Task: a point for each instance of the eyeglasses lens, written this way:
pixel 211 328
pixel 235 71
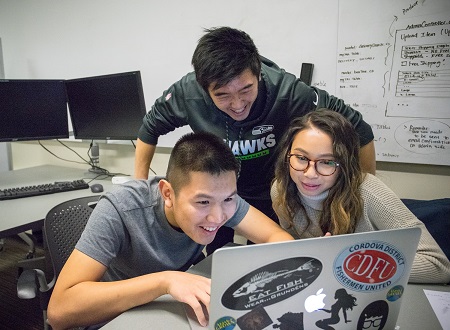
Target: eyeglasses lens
pixel 323 167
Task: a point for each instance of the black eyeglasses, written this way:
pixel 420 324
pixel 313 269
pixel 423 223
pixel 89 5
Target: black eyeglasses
pixel 324 167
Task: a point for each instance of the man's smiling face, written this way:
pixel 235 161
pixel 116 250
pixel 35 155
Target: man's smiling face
pixel 202 206
pixel 236 98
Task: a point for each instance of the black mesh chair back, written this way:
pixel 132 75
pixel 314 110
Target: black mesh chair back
pixel 63 227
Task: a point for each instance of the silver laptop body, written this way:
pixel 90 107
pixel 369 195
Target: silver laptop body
pixel 353 281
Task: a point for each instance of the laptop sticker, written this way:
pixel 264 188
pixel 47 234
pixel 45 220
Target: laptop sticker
pixel 395 293
pixel 257 319
pixel 290 321
pixel 272 283
pixel 369 266
pixel 374 316
pixel 225 323
pixel 344 302
pixel 315 302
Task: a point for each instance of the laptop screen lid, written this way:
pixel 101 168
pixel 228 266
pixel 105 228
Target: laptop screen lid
pixel 355 280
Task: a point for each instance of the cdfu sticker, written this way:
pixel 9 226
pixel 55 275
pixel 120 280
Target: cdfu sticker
pixel 369 266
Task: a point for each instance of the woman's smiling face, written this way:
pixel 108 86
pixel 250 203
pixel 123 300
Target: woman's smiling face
pixel 313 144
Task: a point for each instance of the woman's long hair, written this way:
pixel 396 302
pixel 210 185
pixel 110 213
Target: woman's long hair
pixel 344 205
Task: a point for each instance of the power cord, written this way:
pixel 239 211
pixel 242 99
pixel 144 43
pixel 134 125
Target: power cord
pixel 91 162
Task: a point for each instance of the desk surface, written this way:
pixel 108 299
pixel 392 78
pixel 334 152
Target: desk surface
pixel 167 313
pixel 18 215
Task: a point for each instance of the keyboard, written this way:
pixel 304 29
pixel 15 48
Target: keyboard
pixel 42 189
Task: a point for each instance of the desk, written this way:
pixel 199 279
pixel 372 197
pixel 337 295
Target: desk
pixel 22 214
pixel 167 313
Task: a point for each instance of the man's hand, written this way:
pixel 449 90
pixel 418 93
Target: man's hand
pixel 191 289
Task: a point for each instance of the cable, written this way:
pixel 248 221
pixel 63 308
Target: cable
pixel 98 169
pixel 95 168
pixel 74 152
pixel 67 160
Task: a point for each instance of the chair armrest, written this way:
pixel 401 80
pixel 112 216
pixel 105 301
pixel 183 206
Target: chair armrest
pixel 26 284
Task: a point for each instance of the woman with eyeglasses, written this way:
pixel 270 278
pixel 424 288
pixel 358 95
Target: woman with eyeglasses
pixel 319 189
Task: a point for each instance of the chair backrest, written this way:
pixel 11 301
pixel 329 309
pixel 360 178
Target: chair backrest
pixel 434 214
pixel 63 226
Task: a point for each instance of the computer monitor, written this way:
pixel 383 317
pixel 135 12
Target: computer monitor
pixel 32 109
pixel 107 107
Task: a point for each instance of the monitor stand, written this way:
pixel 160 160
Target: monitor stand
pixel 95 159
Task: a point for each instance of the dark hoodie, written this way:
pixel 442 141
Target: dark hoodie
pixel 281 97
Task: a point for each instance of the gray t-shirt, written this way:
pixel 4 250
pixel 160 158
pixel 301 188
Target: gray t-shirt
pixel 128 232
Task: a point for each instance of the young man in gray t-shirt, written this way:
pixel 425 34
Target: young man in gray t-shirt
pixel 141 237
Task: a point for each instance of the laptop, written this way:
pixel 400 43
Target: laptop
pixel 353 281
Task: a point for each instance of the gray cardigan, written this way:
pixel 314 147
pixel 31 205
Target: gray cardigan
pixel 382 210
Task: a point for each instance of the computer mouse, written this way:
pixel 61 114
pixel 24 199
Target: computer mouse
pixel 96 188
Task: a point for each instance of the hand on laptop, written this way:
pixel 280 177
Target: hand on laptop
pixel 193 290
pixel 327 234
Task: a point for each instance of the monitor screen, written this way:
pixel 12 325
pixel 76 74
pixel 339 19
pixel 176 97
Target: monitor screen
pixel 33 110
pixel 108 107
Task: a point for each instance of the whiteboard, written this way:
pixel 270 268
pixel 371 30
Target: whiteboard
pixel 393 65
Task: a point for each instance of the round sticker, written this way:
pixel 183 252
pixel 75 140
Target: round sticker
pixel 369 266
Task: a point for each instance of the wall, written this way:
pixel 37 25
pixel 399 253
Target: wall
pixel 98 37
pixel 70 39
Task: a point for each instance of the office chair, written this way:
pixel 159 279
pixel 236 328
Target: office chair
pixel 434 214
pixel 63 226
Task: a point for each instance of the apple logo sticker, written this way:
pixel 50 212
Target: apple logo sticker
pixel 315 301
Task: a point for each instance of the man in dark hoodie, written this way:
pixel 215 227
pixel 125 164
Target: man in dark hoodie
pixel 248 101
